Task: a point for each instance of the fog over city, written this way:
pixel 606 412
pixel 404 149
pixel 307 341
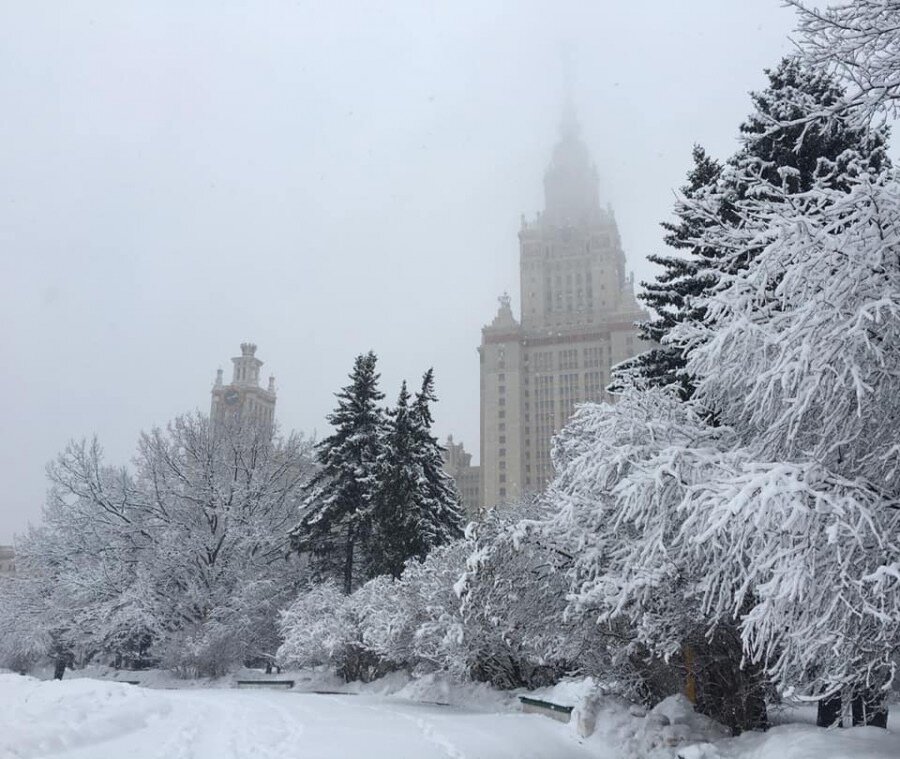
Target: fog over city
pixel 319 178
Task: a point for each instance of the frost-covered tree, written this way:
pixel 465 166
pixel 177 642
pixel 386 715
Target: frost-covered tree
pixel 817 387
pixel 784 139
pixel 336 519
pixel 183 558
pixel 859 41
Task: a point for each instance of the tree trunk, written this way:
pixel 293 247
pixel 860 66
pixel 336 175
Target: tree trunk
pixel 828 711
pixel 869 709
pixel 348 561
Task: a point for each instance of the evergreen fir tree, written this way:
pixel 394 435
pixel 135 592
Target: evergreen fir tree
pixel 441 516
pixel 400 479
pixel 419 506
pixel 683 277
pixel 789 139
pixel 340 498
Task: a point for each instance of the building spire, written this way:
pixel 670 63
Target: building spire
pixel 569 123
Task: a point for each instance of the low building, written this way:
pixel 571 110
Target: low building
pixel 458 464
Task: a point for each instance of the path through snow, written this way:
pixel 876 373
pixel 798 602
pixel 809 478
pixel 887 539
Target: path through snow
pixel 90 719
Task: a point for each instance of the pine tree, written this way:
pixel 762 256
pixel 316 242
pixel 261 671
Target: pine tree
pixel 400 482
pixel 441 517
pixel 418 505
pixel 683 278
pixel 789 140
pixel 340 498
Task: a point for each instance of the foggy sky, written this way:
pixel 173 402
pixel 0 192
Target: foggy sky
pixel 320 178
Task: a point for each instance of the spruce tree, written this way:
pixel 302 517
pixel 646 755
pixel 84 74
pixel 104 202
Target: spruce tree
pixel 441 516
pixel 418 505
pixel 340 498
pixel 788 140
pixel 394 538
pixel 683 278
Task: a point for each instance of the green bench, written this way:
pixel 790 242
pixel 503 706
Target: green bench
pixel 547 708
pixel 283 684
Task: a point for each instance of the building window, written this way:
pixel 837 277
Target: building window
pixel 503 492
pixel 503 479
pixel 502 439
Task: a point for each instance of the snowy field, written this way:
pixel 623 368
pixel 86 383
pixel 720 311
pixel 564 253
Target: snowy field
pixel 85 718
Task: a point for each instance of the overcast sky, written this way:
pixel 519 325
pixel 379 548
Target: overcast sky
pixel 320 178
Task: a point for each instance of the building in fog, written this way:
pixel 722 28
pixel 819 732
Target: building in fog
pixel 578 320
pixel 243 400
pixel 7 561
pixel 458 464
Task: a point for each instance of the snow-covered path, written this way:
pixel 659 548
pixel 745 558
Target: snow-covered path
pixel 85 719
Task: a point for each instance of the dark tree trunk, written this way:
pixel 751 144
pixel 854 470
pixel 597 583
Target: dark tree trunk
pixel 869 709
pixel 828 711
pixel 348 561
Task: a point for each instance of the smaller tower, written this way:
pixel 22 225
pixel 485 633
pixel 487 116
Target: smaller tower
pixel 243 400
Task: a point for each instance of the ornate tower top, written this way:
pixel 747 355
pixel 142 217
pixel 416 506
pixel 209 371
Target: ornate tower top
pixel 246 366
pixel 570 182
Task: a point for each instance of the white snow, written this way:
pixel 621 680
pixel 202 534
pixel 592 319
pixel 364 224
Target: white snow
pixel 85 718
pixel 93 719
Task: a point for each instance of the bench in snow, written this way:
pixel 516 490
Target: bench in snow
pixel 129 682
pixel 285 684
pixel 548 709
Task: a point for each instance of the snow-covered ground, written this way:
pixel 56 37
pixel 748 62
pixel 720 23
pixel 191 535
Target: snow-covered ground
pixel 89 718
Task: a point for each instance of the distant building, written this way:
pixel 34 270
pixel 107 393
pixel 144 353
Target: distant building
pixel 243 399
pixel 458 464
pixel 7 561
pixel 578 320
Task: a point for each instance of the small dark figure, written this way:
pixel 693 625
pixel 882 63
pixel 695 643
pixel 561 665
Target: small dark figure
pixel 59 668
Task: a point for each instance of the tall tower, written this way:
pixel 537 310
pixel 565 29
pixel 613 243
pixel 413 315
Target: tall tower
pixel 578 320
pixel 243 399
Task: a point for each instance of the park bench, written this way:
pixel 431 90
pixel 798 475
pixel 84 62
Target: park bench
pixel 284 684
pixel 547 708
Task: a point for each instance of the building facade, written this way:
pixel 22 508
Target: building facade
pixel 458 464
pixel 578 320
pixel 243 400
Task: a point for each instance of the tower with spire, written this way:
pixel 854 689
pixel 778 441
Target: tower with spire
pixel 243 400
pixel 578 312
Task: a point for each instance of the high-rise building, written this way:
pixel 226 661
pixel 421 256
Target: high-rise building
pixel 243 399
pixel 578 320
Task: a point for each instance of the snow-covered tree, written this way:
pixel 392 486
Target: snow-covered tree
pixel 183 558
pixel 684 276
pixel 440 513
pixel 859 41
pixel 785 139
pixel 336 518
